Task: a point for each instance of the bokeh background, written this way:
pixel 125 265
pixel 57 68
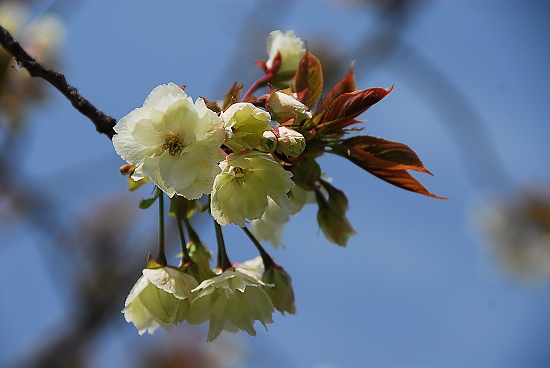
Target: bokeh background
pixel 425 282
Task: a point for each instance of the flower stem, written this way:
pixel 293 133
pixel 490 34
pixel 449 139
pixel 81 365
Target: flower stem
pixel 161 257
pixel 266 258
pixel 223 260
pixel 185 258
pixel 193 236
pixel 260 82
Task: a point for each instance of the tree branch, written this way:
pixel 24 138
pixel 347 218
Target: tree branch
pixel 103 123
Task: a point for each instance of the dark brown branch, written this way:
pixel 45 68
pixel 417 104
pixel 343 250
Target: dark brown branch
pixel 103 123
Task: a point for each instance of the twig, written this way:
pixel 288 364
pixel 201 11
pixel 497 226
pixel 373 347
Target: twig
pixel 103 123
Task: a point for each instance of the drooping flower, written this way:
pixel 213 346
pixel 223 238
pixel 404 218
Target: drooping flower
pixel 245 125
pixel 241 190
pixel 161 297
pixel 270 226
pixel 232 301
pixel 286 49
pixel 173 142
pixel 254 266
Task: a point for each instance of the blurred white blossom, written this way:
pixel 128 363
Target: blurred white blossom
pixel 519 232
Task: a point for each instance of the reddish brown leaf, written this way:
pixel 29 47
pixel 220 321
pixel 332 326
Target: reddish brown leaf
pixel 393 154
pixel 344 85
pixel 233 95
pixel 388 161
pixel 342 111
pixel 309 78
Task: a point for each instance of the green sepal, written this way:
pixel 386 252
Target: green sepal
pixel 148 202
pixel 152 264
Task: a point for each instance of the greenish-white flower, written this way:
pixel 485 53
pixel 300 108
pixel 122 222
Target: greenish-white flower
pixel 173 142
pixel 284 107
pixel 241 190
pixel 270 226
pixel 291 49
pixel 161 297
pixel 290 142
pixel 232 301
pixel 255 266
pixel 245 125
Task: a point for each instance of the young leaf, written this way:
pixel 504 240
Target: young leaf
pixel 309 78
pixel 395 154
pixel 344 85
pixel 233 95
pixel 147 202
pixel 345 108
pixel 386 160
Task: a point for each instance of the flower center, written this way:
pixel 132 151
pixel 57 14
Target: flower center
pixel 173 143
pixel 238 172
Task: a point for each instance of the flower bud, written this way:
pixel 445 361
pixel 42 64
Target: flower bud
pixel 281 294
pixel 285 52
pixel 333 222
pixel 245 125
pixel 134 184
pixel 127 169
pixel 290 142
pixel 284 107
pixel 268 142
pixel 200 254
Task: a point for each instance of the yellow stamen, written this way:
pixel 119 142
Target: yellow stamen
pixel 173 143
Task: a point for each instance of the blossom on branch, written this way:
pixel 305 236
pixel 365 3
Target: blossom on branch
pixel 232 301
pixel 159 298
pixel 270 226
pixel 242 188
pixel 245 125
pixel 173 142
pixel 254 173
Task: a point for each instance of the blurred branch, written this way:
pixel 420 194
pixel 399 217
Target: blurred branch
pixel 103 123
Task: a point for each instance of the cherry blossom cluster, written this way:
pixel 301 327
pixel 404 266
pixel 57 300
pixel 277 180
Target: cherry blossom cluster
pixel 249 161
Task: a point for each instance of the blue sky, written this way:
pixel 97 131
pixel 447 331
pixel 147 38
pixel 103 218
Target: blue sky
pixel 417 286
